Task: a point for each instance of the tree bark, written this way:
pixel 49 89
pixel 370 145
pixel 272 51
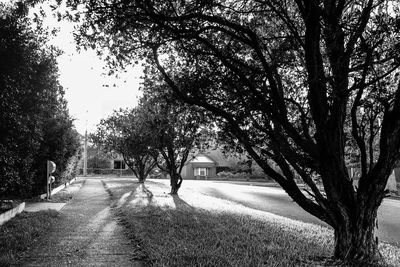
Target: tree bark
pixel 354 238
pixel 176 181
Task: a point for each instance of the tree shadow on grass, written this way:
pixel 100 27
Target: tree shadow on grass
pixel 141 196
pixel 146 191
pixel 180 204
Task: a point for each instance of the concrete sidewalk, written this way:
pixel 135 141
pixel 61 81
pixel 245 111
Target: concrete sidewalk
pixel 88 234
pixel 58 200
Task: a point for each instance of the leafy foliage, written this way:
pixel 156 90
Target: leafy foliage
pixel 34 121
pixel 124 133
pixel 97 159
pixel 176 128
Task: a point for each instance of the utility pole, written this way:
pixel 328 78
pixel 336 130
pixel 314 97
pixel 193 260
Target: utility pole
pixel 85 150
pixel 85 156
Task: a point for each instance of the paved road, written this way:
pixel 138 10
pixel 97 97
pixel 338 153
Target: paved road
pixel 276 201
pixel 88 234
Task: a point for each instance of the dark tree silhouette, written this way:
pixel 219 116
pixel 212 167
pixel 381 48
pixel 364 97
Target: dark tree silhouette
pixel 35 125
pixel 291 80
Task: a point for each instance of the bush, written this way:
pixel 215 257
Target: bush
pixel 34 122
pixel 223 169
pixel 71 170
pixel 238 175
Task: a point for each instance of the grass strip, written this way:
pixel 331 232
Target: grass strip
pixel 203 238
pixel 18 234
pixel 188 236
pixel 184 231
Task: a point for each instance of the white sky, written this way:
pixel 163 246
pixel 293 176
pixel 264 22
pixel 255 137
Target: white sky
pixel 83 79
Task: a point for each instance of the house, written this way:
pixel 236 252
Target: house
pixel 99 162
pixel 206 164
pixel 200 166
pixel 118 164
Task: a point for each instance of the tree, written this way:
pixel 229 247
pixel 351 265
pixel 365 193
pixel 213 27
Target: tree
pixel 124 133
pixel 60 143
pixel 97 159
pixel 175 129
pixel 290 80
pixel 34 122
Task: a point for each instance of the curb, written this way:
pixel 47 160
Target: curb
pixel 58 189
pixel 6 216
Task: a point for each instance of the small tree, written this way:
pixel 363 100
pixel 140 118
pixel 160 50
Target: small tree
pixel 174 126
pixel 124 133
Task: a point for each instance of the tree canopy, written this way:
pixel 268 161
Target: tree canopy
pixel 296 82
pixel 124 134
pixel 176 128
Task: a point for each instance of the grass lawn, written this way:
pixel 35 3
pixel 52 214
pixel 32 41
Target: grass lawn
pixel 196 230
pixel 21 232
pixel 202 238
pixel 18 234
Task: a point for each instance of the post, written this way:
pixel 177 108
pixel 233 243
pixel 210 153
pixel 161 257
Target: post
pixel 47 180
pixel 85 156
pixel 49 186
pixel 50 168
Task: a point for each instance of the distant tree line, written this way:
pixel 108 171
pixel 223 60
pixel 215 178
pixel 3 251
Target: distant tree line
pixel 35 125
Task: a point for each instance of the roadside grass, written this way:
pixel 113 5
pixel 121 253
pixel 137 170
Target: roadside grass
pixel 202 238
pixel 197 230
pixel 188 236
pixel 21 232
pixel 18 234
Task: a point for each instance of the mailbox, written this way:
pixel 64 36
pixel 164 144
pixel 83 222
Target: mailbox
pixel 52 179
pixel 51 167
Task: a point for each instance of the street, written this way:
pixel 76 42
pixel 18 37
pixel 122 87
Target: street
pixel 275 200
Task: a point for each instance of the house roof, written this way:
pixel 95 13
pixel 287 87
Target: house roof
pixel 201 158
pixel 216 156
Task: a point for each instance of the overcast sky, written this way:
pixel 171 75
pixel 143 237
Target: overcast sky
pixel 91 95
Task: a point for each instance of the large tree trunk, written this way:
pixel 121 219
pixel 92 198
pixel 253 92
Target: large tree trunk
pixel 176 181
pixel 354 238
pixel 356 245
pixel 142 176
